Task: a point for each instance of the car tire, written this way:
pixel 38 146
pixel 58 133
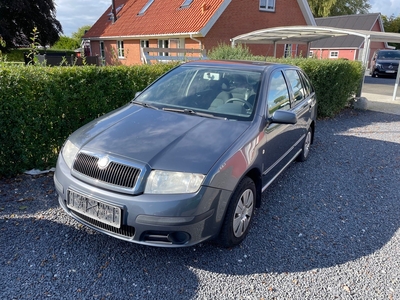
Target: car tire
pixel 305 151
pixel 239 214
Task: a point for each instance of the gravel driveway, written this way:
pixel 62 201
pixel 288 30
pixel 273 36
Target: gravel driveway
pixel 328 228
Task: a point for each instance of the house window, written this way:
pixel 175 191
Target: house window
pixel 311 54
pixel 120 47
pixel 102 53
pixel 267 5
pixel 186 3
pixel 163 44
pixel 144 43
pixel 288 50
pixel 333 54
pixel 145 7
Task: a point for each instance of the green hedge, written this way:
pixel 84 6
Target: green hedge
pixel 40 107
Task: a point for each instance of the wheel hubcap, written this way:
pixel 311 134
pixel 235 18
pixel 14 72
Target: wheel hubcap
pixel 243 213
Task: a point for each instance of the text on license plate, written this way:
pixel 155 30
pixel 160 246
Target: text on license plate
pixel 94 209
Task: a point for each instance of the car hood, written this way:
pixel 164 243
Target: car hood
pixel 387 61
pixel 163 140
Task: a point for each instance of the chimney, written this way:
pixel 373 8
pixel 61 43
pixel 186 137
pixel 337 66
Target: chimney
pixel 113 12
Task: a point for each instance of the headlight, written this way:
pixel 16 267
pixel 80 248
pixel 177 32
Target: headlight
pixel 69 152
pixel 166 182
pixel 378 66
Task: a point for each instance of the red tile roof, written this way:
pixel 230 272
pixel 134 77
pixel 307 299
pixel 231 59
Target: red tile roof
pixel 163 17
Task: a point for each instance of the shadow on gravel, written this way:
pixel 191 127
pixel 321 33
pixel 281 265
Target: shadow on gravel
pixel 340 205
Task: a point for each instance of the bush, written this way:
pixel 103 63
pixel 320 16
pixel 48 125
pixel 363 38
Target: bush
pixel 40 107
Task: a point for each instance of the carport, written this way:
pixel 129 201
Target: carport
pixel 308 34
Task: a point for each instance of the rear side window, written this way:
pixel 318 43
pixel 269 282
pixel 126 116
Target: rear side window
pixel 307 84
pixel 278 94
pixel 296 84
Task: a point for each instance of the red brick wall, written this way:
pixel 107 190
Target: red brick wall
pixel 243 16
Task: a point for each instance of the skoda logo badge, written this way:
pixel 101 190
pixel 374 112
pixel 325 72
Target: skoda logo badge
pixel 103 162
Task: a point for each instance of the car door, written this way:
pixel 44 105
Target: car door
pixel 302 102
pixel 279 139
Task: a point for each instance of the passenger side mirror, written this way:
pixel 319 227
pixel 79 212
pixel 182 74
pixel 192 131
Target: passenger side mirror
pixel 283 117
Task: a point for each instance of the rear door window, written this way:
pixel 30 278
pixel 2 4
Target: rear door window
pixel 298 90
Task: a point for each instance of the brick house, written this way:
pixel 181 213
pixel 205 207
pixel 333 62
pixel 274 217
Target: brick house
pixel 349 47
pixel 128 26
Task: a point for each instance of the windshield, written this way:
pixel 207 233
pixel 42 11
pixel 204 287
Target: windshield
pixel 389 55
pixel 219 92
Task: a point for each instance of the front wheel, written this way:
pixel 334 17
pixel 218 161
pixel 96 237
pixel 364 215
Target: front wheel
pixel 305 151
pixel 239 214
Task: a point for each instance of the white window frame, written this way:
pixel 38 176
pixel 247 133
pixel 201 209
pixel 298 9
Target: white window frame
pixel 120 49
pixel 144 43
pixel 334 54
pixel 311 54
pixel 102 53
pixel 267 5
pixel 163 44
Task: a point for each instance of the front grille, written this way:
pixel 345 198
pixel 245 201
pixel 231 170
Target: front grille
pixel 127 231
pixel 115 173
pixel 389 66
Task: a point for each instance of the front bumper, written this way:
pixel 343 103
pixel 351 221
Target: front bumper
pixel 156 220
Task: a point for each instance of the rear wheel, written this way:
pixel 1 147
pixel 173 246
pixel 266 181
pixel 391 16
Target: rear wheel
pixel 239 214
pixel 305 151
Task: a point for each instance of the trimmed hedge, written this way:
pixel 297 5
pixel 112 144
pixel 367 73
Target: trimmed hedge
pixel 41 106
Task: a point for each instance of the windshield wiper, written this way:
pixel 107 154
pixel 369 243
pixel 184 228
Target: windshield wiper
pixel 144 104
pixel 192 112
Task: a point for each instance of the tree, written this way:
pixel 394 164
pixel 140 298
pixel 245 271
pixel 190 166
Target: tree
pixel 20 17
pixel 321 8
pixel 350 7
pixel 392 24
pixel 78 35
pixel 65 43
pixel 327 8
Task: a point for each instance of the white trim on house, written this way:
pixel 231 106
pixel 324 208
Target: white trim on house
pixel 334 54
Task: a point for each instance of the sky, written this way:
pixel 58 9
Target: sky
pixel 74 14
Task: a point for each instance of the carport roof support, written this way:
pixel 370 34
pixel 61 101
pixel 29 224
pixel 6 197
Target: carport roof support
pixel 308 34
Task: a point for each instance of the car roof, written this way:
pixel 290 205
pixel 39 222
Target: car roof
pixel 239 64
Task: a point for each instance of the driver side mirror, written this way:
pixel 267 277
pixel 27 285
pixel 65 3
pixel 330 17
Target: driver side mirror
pixel 283 117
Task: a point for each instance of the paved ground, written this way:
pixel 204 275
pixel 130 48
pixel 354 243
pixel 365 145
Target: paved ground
pixel 379 93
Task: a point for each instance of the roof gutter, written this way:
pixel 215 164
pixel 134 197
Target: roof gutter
pixel 196 40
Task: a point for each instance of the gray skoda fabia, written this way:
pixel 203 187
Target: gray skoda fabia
pixel 189 157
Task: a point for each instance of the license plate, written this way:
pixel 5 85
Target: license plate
pixel 390 71
pixel 94 209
